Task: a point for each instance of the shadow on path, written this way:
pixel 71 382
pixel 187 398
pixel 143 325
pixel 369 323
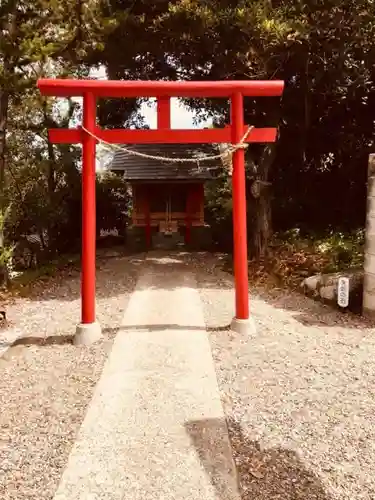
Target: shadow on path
pixel 262 474
pixel 160 328
pixel 41 341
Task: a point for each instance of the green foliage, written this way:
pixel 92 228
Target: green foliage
pixel 112 202
pixel 44 38
pixel 323 51
pixel 6 251
pixel 218 198
pixel 35 209
pixel 294 255
pixel 341 250
pixel 345 250
pixel 4 216
pixel 5 256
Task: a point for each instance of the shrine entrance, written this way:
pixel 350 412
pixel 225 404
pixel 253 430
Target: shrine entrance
pixel 171 209
pixel 236 135
pixel 168 207
pixel 169 200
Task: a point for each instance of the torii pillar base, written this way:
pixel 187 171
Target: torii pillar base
pixel 243 326
pixel 87 334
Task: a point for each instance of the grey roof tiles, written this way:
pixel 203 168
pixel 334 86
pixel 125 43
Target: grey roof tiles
pixel 138 168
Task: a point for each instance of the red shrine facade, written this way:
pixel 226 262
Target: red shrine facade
pixel 167 197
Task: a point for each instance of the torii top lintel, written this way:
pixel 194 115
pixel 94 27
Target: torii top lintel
pixel 134 88
pixel 163 91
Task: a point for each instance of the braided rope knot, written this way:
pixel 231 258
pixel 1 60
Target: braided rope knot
pixel 228 150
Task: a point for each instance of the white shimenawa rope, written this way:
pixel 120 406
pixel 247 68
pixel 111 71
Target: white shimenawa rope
pixel 227 151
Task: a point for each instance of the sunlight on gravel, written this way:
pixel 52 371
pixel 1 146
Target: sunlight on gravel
pixel 45 389
pixel 299 396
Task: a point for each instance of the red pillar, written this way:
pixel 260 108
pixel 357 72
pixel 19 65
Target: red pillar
pixel 239 210
pixel 88 210
pixel 164 112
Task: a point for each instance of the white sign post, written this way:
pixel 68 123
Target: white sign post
pixel 343 291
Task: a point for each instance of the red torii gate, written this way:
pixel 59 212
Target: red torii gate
pixel 89 330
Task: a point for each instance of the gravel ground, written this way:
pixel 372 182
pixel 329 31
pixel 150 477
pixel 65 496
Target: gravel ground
pixel 299 396
pixel 46 383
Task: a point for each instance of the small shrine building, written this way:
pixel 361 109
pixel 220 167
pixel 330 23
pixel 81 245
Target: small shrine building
pixel 167 197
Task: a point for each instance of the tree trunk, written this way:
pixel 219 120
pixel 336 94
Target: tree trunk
pixel 261 203
pixel 4 101
pixel 9 23
pixel 263 225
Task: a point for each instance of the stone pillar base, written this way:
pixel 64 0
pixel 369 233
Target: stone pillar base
pixel 87 334
pixel 243 326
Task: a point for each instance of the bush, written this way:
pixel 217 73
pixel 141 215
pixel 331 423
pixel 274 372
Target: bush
pixel 60 214
pixel 294 256
pixel 6 251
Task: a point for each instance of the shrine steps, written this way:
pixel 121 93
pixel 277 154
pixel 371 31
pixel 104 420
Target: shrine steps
pixel 161 241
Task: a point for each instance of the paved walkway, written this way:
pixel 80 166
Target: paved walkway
pixel 155 428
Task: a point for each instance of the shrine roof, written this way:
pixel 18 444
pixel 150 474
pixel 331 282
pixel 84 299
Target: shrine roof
pixel 138 168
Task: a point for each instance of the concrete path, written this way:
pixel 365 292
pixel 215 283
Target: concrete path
pixel 155 428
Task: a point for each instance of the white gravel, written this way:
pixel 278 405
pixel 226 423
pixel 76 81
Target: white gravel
pixel 45 388
pixel 299 396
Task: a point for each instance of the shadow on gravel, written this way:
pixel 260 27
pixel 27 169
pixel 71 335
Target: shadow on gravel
pixel 44 341
pixel 36 341
pixel 110 332
pixel 114 273
pixel 263 474
pixel 16 348
pixel 304 309
pixel 310 312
